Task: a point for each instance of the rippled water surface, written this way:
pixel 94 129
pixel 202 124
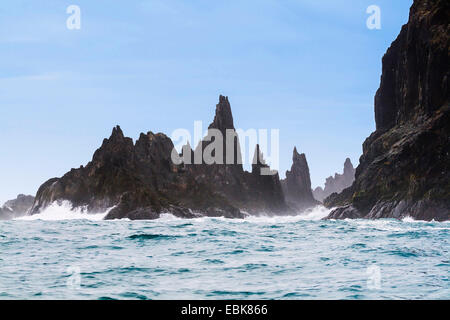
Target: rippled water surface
pixel 213 258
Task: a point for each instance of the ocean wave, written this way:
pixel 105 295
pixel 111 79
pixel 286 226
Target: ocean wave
pixel 64 211
pixel 314 214
pixel 288 257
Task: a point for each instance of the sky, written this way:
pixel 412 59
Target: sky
pixel 308 68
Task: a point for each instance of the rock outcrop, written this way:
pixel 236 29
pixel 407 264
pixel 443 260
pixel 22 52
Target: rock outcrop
pixel 140 181
pixel 17 207
pixel 405 166
pixel 254 192
pixel 337 183
pixel 297 185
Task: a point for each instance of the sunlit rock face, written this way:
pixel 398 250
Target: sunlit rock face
pixel 405 166
pixel 140 180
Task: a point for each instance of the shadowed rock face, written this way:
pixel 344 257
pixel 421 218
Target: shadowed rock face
pixel 405 166
pixel 297 185
pixel 17 207
pixel 337 183
pixel 140 181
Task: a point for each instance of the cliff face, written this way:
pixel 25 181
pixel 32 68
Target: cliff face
pixel 405 166
pixel 141 181
pixel 337 183
pixel 297 185
pixel 17 207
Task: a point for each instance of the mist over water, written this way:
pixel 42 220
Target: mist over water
pixel 62 254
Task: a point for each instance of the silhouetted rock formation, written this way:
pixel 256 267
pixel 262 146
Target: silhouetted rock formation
pixel 265 189
pixel 405 166
pixel 140 181
pixel 17 207
pixel 297 185
pixel 338 183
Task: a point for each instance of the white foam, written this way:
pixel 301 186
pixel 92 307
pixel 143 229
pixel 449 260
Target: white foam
pixel 314 214
pixel 63 211
pixel 409 219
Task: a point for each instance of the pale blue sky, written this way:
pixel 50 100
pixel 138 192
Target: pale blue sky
pixel 307 67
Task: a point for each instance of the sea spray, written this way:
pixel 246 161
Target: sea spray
pixel 64 211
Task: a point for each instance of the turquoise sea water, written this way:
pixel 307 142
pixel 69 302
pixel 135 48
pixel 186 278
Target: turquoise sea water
pixel 213 258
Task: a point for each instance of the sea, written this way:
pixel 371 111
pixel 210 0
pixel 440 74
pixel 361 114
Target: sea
pixel 64 254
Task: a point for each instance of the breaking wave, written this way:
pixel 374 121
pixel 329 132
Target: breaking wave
pixel 64 211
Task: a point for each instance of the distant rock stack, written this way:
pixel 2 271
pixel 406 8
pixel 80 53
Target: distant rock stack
pixel 337 183
pixel 16 208
pixel 297 185
pixel 405 166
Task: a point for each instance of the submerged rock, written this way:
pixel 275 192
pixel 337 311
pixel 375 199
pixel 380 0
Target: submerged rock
pixel 337 183
pixel 405 166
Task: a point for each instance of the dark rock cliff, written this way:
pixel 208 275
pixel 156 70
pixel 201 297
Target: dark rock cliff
pixel 297 185
pixel 337 183
pixel 405 166
pixel 140 181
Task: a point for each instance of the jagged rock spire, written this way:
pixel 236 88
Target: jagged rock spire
pixel 223 121
pixel 298 182
pixel 258 157
pixel 299 159
pixel 116 149
pixel 223 118
pixel 348 167
pixel 117 133
pixel 300 170
pixel 258 161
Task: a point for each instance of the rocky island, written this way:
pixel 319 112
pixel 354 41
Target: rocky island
pixel 140 180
